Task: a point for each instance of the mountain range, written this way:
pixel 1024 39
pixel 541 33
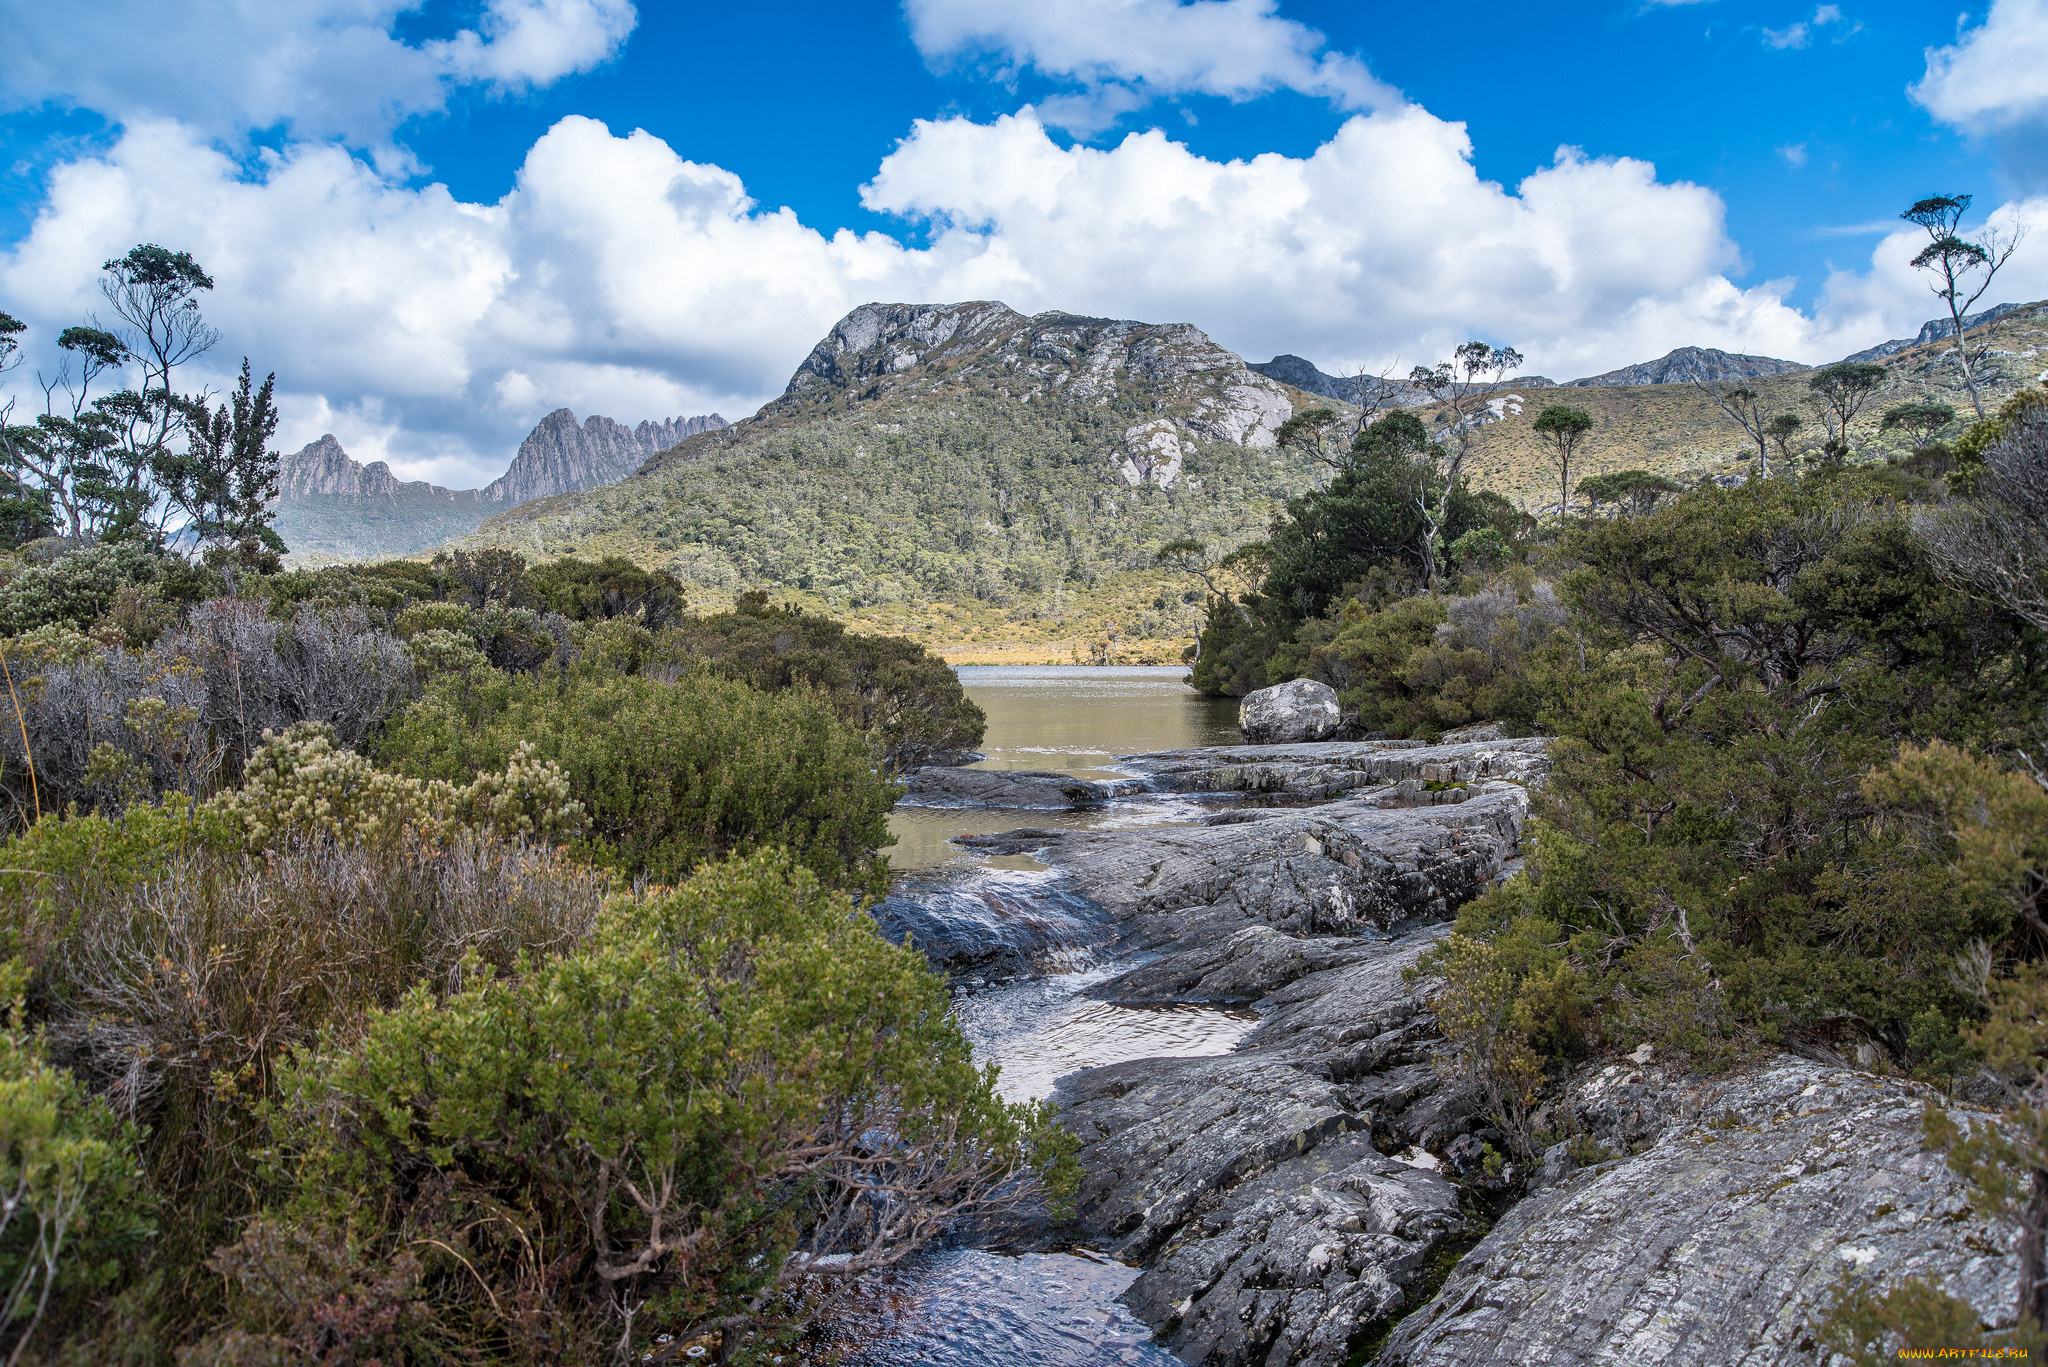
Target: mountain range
pixel 964 471
pixel 929 462
pixel 330 505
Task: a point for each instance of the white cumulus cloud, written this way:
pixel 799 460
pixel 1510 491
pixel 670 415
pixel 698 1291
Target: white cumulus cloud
pixel 617 276
pixel 1127 51
pixel 1993 81
pixel 321 69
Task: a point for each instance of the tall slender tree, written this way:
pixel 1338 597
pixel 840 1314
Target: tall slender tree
pixel 1962 269
pixel 1463 389
pixel 1562 429
pixel 154 292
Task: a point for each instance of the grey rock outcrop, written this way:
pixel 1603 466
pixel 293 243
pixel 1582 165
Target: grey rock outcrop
pixel 1299 710
pixel 1723 1241
pixel 1204 391
pixel 1933 330
pixel 1019 789
pixel 1694 363
pixel 559 457
pixel 1252 1188
pixel 324 468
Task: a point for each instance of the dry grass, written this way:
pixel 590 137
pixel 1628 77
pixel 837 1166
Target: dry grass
pixel 178 995
pixel 1675 430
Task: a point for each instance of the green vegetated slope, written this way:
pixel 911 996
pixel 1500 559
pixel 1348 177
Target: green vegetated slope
pixel 1675 429
pixel 986 482
pixel 973 495
pixel 968 500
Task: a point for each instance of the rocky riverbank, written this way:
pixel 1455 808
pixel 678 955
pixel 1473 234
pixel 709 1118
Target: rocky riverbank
pixel 1291 1200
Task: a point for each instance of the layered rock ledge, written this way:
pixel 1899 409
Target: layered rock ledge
pixel 1287 1201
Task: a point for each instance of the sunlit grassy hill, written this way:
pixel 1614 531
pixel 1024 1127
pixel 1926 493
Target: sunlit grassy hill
pixel 1676 430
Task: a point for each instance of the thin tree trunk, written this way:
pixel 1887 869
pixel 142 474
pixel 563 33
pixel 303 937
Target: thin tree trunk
pixel 2033 1276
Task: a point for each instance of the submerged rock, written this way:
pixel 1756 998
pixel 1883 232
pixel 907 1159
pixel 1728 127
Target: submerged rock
pixel 1297 711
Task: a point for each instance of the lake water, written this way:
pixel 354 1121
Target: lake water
pixel 971 1307
pixel 1069 719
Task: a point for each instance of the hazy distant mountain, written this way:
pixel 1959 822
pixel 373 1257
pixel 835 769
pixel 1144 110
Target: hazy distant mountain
pixel 558 457
pixel 1695 363
pixel 329 505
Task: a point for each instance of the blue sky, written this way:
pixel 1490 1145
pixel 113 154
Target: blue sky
pixel 438 222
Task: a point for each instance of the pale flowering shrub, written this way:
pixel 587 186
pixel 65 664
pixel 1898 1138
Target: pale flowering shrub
pixel 302 786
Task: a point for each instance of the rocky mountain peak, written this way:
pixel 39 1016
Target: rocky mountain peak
pixel 1689 364
pixel 1191 388
pixel 561 457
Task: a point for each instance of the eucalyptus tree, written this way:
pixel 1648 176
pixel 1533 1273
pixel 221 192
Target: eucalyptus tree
pixel 1921 417
pixel 1840 392
pixel 1463 390
pixel 1962 267
pixel 1745 406
pixel 1562 429
pixel 1781 430
pixel 68 450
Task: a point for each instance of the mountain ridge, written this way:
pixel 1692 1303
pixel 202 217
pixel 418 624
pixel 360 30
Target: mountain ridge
pixel 329 504
pixel 960 461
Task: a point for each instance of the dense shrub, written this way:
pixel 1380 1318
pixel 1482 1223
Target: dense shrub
pixel 107 725
pixel 74 1209
pixel 899 695
pixel 1732 844
pixel 173 974
pixel 588 591
pixel 735 1087
pixel 1422 665
pixel 75 589
pixel 670 774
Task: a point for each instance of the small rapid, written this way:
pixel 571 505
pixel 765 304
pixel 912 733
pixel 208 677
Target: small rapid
pixel 1021 948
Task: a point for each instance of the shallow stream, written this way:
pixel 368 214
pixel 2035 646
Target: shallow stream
pixel 970 1307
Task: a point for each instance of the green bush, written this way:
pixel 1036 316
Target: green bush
pixel 1739 838
pixel 590 591
pixel 670 774
pixel 679 1118
pixel 76 588
pixel 176 973
pixel 904 699
pixel 74 1208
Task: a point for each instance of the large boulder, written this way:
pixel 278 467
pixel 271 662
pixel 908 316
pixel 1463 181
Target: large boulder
pixel 1289 713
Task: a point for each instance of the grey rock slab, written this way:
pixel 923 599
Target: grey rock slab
pixel 1325 1016
pixel 1336 869
pixel 1241 968
pixel 1264 768
pixel 1286 1267
pixel 1021 789
pixel 1299 710
pixel 1723 1242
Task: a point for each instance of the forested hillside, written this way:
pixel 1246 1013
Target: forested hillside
pixel 1033 488
pixel 969 476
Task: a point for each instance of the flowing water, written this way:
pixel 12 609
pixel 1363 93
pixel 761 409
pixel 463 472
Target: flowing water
pixel 1022 1011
